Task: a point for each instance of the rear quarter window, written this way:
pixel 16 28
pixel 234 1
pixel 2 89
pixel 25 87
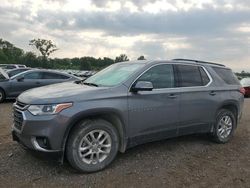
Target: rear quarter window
pixel 227 76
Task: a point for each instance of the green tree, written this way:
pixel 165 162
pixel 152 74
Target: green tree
pixel 9 53
pixel 141 58
pixel 121 58
pixel 30 59
pixel 85 63
pixel 3 57
pixel 45 47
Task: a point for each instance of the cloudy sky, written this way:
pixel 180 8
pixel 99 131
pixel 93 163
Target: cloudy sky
pixel 212 30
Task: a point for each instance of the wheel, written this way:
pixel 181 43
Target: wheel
pixel 224 127
pixel 2 95
pixel 92 145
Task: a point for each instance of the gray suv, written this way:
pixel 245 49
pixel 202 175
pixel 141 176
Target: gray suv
pixel 125 105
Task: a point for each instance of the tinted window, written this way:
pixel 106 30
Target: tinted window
pixel 33 75
pixel 227 75
pixel 50 75
pixel 17 71
pixel 10 67
pixel 161 76
pixel 204 76
pixel 189 76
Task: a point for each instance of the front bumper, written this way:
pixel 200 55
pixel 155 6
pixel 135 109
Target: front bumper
pixel 40 133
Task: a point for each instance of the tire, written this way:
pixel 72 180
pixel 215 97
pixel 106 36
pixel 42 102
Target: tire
pixel 224 127
pixel 2 95
pixel 82 137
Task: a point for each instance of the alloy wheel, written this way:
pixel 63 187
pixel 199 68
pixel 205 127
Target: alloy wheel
pixel 225 126
pixel 95 146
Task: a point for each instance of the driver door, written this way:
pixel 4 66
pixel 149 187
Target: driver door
pixel 153 115
pixel 24 82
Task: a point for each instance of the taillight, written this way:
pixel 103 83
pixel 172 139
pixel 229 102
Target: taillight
pixel 242 90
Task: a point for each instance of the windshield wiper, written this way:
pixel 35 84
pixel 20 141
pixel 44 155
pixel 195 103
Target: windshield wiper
pixel 90 84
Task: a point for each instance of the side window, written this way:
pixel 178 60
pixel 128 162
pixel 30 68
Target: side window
pixel 49 75
pixel 10 67
pixel 33 75
pixel 204 76
pixel 161 76
pixel 189 76
pixel 227 75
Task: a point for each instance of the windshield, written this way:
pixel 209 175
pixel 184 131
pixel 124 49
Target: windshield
pixel 114 74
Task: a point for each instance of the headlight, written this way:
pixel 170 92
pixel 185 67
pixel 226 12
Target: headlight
pixel 48 109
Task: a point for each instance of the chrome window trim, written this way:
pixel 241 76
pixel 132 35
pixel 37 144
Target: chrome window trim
pixel 192 87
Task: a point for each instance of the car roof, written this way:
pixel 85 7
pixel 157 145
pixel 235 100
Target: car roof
pixel 44 70
pixel 178 61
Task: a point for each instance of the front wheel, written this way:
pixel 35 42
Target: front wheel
pixel 92 145
pixel 2 95
pixel 224 127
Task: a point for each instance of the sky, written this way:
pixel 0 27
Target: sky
pixel 209 30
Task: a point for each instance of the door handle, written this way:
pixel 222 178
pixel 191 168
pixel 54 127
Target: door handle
pixel 212 93
pixel 38 82
pixel 172 96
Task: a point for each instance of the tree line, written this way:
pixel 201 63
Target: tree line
pixel 10 54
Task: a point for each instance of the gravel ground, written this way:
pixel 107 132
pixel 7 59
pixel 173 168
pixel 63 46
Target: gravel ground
pixel 190 161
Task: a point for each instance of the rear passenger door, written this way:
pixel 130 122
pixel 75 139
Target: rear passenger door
pixel 197 100
pixel 24 82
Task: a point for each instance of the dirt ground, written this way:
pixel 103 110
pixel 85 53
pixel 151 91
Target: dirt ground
pixel 190 161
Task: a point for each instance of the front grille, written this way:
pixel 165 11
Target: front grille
pixel 18 119
pixel 20 105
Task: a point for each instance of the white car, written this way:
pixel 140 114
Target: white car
pixel 12 66
pixel 245 82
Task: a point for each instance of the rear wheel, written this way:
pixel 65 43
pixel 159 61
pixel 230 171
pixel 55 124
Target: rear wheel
pixel 92 145
pixel 225 126
pixel 2 95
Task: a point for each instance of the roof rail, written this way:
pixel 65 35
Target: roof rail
pixel 197 61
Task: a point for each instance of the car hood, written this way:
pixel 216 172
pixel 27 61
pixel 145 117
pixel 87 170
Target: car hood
pixel 58 93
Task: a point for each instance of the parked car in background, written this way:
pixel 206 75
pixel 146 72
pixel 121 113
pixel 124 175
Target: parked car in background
pixel 84 74
pixel 11 66
pixel 16 71
pixel 128 104
pixel 3 75
pixel 245 82
pixel 12 87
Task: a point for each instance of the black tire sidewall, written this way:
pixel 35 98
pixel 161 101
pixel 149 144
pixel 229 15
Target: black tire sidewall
pixel 75 138
pixel 220 114
pixel 3 95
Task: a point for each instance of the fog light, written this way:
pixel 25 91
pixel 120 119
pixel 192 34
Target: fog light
pixel 43 142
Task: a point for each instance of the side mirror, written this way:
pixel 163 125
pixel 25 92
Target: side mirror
pixel 20 79
pixel 142 86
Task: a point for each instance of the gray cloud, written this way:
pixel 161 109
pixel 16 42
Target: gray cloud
pixel 138 3
pixel 151 50
pixel 211 33
pixel 208 22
